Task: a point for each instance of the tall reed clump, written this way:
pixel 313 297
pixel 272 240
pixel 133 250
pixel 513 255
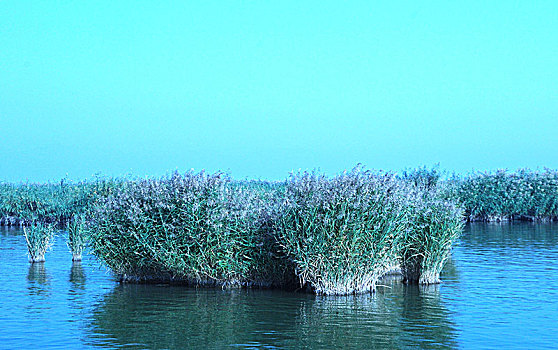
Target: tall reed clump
pixel 195 228
pixel 435 224
pixel 77 236
pixel 39 240
pixel 342 233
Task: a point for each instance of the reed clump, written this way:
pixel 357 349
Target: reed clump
pixel 328 235
pixel 197 229
pixel 39 239
pixel 434 226
pixel 436 219
pixel 77 236
pixel 343 233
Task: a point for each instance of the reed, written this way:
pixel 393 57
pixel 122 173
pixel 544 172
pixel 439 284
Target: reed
pixel 490 196
pixel 77 236
pixel 503 196
pixel 197 229
pixel 39 240
pixel 423 177
pixel 343 233
pixel 334 235
pixel 55 203
pixel 434 226
pixel 329 235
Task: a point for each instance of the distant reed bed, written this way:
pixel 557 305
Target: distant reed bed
pixel 54 203
pixel 504 196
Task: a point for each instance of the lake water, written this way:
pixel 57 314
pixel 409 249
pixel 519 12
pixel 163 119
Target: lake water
pixel 499 291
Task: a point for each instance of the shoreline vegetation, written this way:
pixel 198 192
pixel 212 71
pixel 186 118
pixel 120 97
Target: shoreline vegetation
pixel 327 235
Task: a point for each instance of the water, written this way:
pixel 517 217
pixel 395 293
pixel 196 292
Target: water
pixel 500 291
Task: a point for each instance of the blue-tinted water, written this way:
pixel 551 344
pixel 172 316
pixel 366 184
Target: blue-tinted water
pixel 500 291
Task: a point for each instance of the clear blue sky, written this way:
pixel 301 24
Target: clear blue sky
pixel 261 88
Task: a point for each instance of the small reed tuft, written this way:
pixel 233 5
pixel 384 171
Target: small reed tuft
pixel 77 236
pixel 39 240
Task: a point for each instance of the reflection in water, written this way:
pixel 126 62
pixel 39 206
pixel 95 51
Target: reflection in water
pixel 39 281
pixel 174 317
pixel 77 275
pixel 450 272
pixel 77 286
pixel 77 300
pixel 429 319
pixel 508 235
pixel 10 231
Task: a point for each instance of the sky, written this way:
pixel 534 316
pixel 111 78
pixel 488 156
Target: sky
pixel 262 88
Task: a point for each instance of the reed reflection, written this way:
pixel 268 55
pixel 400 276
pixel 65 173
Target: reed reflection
pixel 76 293
pixel 38 279
pixel 38 288
pixel 77 276
pixel 175 317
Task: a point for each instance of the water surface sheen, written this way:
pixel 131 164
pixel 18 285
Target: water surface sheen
pixel 500 291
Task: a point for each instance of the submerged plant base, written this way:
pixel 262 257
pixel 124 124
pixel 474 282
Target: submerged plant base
pixel 37 259
pixel 345 285
pixel 494 218
pixel 338 288
pixel 409 275
pixel 429 277
pixel 415 274
pixel 392 270
pixel 76 257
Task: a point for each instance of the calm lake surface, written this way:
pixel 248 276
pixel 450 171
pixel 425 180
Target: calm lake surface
pixel 500 291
